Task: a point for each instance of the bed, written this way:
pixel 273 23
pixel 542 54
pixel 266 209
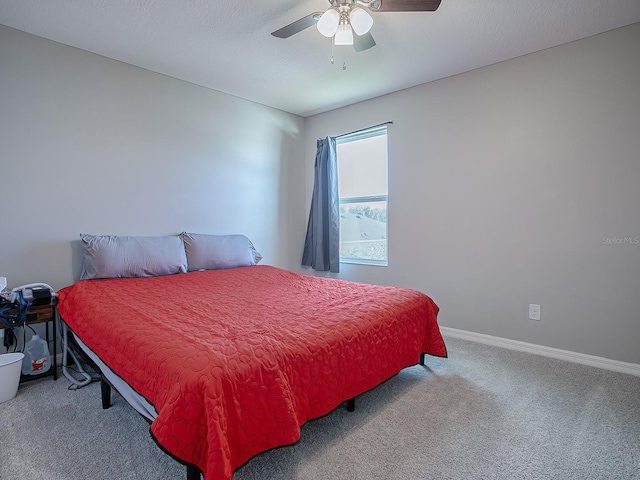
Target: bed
pixel 234 361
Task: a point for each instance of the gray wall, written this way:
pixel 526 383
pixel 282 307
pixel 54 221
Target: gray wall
pixel 89 144
pixel 503 181
pixel 505 185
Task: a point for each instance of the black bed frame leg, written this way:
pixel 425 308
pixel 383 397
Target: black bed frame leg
pixel 351 404
pixel 105 390
pixel 422 355
pixel 193 473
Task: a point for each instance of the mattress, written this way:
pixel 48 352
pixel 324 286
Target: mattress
pixel 235 361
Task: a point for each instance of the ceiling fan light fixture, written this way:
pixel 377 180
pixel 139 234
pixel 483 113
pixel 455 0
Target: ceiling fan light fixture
pixel 344 35
pixel 360 20
pixel 328 23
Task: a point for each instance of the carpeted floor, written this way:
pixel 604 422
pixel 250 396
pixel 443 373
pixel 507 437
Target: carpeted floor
pixel 483 413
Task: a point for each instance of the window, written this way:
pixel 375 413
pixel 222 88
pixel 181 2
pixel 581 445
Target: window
pixel 362 185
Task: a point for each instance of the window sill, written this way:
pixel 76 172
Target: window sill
pixel 358 261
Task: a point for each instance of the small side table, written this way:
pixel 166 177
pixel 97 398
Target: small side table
pixel 42 314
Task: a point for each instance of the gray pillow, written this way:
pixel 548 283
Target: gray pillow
pixel 211 252
pixel 112 256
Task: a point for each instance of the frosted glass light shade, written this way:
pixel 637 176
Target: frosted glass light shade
pixel 328 23
pixel 360 20
pixel 344 35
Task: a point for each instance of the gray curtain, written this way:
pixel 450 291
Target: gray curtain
pixel 322 243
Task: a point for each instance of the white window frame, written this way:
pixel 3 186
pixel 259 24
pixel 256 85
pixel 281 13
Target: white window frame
pixel 361 135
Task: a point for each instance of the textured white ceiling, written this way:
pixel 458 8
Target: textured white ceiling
pixel 227 46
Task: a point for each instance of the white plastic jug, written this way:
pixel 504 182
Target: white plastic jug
pixel 36 359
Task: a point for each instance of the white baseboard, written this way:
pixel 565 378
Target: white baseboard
pixel 575 357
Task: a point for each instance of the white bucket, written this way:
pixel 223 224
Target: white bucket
pixel 10 367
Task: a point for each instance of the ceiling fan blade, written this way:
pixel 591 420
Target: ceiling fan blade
pixel 405 5
pixel 298 25
pixel 363 42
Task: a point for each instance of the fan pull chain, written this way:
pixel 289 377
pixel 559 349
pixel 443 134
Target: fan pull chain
pixel 332 61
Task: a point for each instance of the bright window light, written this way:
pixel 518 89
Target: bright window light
pixel 363 191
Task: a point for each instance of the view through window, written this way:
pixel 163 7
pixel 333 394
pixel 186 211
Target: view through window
pixel 362 184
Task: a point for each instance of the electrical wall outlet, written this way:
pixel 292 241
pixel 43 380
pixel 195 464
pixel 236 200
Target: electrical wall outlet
pixel 534 311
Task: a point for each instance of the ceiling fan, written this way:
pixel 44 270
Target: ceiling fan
pixel 348 17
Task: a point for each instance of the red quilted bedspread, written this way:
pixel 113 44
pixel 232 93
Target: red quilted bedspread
pixel 236 360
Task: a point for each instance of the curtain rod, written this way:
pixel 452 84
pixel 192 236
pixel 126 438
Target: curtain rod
pixel 363 129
